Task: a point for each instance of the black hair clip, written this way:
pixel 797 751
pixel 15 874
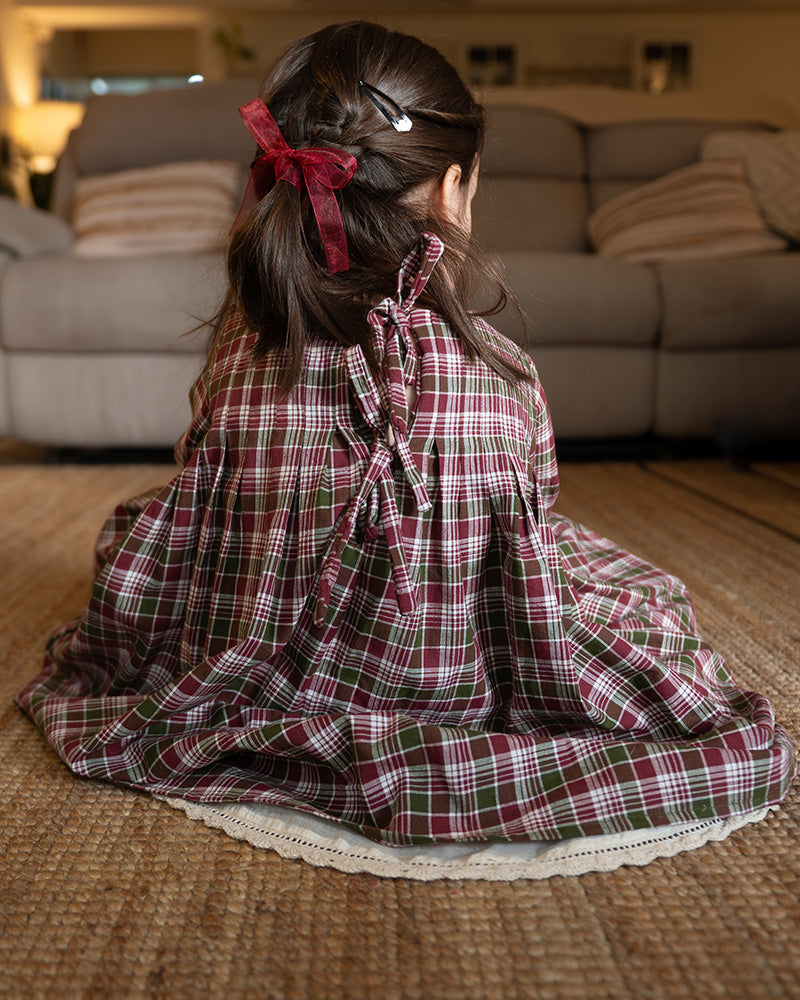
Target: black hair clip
pixel 390 109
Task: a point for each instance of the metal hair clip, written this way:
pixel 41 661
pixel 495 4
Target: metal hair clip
pixel 390 109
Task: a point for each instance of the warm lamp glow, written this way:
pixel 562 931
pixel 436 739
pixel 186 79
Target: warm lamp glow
pixel 41 163
pixel 45 126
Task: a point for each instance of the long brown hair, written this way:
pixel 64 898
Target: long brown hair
pixel 276 262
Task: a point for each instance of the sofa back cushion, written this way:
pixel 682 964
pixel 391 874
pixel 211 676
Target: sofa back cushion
pixel 164 126
pixel 121 132
pixel 531 213
pixel 532 194
pixel 621 156
pixel 533 142
pixel 543 170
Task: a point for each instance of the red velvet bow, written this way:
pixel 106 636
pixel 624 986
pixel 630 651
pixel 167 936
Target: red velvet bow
pixel 323 170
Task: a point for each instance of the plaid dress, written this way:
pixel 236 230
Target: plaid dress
pixel 394 631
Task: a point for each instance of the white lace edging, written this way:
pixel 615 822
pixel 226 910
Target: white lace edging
pixel 324 843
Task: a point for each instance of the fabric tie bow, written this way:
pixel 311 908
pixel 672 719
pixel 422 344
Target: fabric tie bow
pixel 322 169
pixel 383 404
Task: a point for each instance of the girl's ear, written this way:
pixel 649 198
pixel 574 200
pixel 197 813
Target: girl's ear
pixel 449 196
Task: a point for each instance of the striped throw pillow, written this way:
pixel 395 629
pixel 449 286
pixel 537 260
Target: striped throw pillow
pixel 175 207
pixel 772 165
pixel 704 210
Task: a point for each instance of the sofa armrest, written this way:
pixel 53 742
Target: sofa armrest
pixel 65 179
pixel 30 232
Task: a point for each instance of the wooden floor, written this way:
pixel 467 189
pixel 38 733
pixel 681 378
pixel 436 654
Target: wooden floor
pixel 766 493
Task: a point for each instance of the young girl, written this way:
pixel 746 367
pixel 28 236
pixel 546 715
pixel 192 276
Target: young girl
pixel 354 599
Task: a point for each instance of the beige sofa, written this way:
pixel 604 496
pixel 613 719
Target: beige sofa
pixel 92 351
pixel 678 348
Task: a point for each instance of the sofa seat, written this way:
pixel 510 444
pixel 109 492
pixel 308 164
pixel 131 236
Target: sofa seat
pixel 749 302
pixel 592 331
pixel 97 351
pixel 109 305
pixel 120 400
pixel 729 347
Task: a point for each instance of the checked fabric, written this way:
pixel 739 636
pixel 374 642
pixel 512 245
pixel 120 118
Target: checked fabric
pixel 394 630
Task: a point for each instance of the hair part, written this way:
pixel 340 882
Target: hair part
pixel 276 262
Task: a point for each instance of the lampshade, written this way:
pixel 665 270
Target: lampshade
pixel 43 129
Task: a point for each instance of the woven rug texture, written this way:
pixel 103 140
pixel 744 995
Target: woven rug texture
pixel 106 893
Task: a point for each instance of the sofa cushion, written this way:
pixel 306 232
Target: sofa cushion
pixel 165 126
pixel 644 150
pixel 772 165
pixel 696 391
pixel 532 192
pixel 703 210
pixel 747 302
pixel 117 304
pixel 532 141
pixel 113 400
pixel 177 207
pixel 28 232
pixel 580 299
pixel 597 392
pixel 519 213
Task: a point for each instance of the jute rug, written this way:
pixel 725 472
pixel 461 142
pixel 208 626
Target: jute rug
pixel 107 893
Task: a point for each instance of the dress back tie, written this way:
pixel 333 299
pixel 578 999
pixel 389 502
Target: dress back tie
pixel 383 404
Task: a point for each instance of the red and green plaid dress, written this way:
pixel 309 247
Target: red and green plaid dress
pixel 402 637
